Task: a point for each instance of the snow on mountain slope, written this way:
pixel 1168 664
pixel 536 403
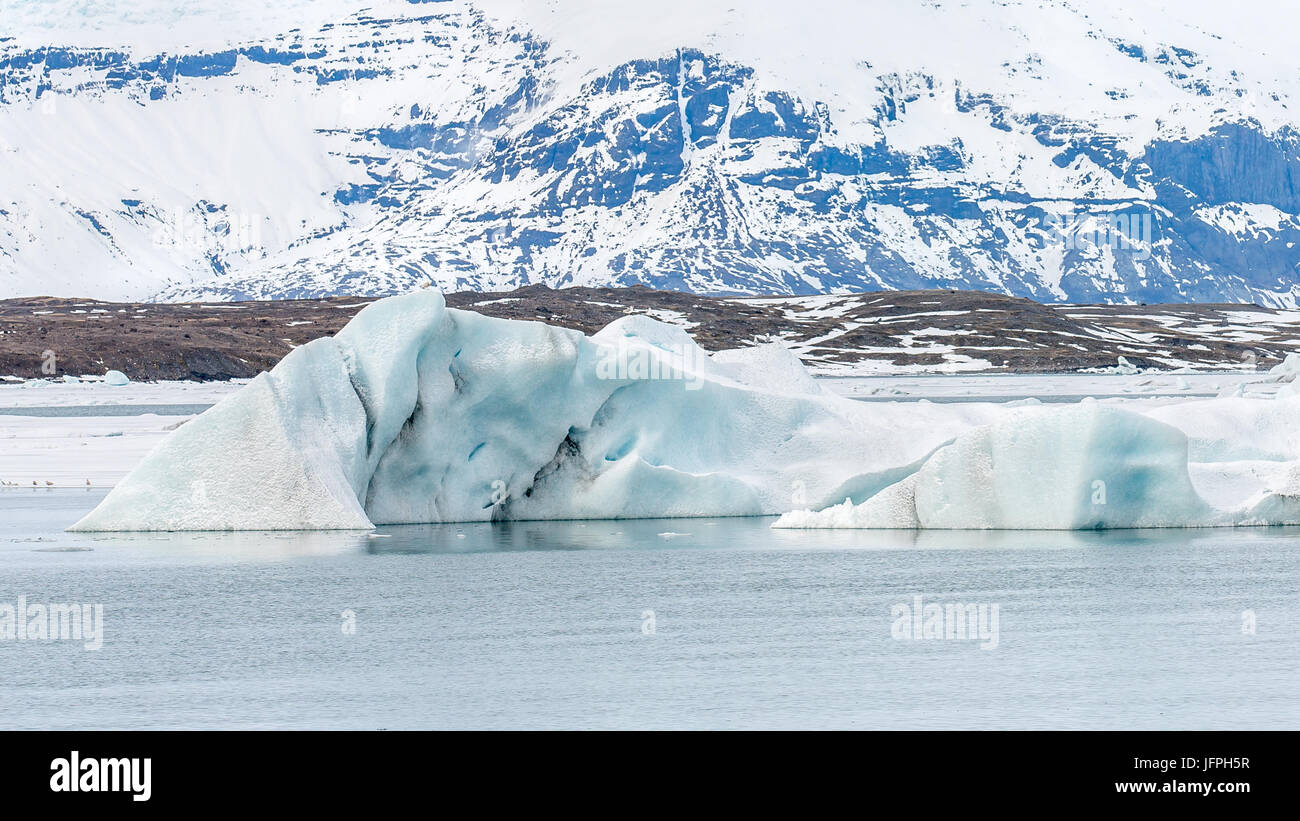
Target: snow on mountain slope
pixel 1092 150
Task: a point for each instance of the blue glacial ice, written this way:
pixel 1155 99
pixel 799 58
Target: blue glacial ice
pixel 418 413
pixel 1212 463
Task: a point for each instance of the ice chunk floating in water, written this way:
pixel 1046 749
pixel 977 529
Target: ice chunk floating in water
pixel 419 413
pixel 1093 466
pixel 1086 466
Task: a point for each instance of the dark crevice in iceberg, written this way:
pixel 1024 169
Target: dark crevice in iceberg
pixel 569 453
pixel 408 427
pixel 350 366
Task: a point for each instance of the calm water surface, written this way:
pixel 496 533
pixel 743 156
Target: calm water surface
pixel 547 625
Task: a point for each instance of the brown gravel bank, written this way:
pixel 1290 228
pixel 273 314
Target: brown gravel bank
pixel 938 330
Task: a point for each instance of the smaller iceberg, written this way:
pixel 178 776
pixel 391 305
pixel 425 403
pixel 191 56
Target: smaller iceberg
pixel 1086 466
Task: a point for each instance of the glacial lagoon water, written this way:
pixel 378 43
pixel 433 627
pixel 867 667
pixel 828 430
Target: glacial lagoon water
pixel 696 623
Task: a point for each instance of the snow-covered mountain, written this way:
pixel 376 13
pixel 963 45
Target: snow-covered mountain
pixel 1089 150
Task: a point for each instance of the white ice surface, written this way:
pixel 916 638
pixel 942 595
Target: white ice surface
pixel 43 452
pixel 1148 386
pixel 34 393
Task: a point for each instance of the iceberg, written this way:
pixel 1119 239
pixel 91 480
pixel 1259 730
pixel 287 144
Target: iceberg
pixel 420 413
pixel 1090 466
pixel 1079 467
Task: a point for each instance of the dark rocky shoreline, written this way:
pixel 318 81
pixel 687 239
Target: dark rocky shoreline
pixel 935 330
